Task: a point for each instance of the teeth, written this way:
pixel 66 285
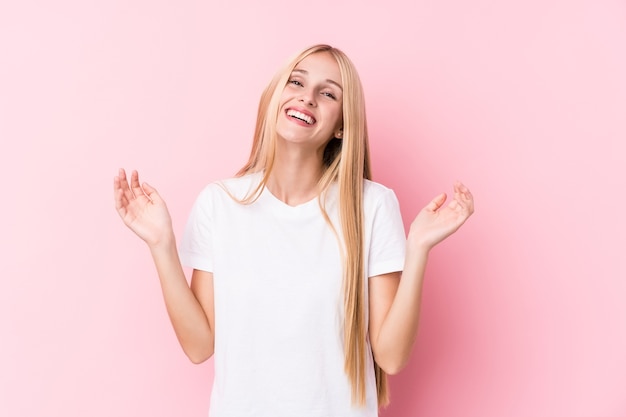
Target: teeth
pixel 301 116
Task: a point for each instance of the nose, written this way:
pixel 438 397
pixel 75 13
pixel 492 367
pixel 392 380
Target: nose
pixel 308 97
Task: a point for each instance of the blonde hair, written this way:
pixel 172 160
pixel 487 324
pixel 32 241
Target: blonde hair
pixel 346 162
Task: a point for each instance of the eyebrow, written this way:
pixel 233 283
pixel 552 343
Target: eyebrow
pixel 328 80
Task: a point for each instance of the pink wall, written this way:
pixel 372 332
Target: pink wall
pixel 524 312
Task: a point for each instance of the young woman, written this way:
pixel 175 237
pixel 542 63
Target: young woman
pixel 304 287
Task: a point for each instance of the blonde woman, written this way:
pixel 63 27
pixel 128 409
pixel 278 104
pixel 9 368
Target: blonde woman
pixel 304 287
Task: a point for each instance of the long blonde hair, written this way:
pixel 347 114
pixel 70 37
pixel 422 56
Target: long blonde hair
pixel 346 161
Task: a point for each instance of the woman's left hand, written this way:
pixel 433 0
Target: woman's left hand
pixel 435 222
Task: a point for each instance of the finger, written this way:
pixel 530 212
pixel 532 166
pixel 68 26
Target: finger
pixel 128 194
pixel 458 191
pixel 463 190
pixel 470 203
pixel 436 202
pixel 120 200
pixel 469 199
pixel 117 188
pixel 456 204
pixel 465 196
pixel 134 184
pixel 151 192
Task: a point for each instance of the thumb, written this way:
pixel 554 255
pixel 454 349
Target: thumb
pixel 436 202
pixel 151 192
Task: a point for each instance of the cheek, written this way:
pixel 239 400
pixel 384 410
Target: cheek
pixel 286 94
pixel 283 99
pixel 339 116
pixel 333 119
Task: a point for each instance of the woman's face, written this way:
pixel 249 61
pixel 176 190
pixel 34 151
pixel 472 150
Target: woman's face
pixel 310 112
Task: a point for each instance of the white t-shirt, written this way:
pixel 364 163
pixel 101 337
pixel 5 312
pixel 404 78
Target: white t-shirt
pixel 277 274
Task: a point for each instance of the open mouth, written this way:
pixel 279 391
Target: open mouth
pixel 300 116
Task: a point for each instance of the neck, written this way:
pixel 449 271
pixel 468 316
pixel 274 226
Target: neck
pixel 295 176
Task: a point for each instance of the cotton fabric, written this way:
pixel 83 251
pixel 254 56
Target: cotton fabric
pixel 277 273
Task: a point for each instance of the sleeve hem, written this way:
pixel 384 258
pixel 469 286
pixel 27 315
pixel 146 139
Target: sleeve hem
pixel 380 268
pixel 196 262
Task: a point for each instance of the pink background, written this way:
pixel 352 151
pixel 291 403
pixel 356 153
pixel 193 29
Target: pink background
pixel 524 311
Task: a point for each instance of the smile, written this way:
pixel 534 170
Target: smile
pixel 300 116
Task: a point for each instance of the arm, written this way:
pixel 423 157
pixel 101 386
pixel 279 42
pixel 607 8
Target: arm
pixel 394 298
pixel 190 308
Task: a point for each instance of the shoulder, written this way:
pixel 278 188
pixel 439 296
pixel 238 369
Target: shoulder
pixel 235 187
pixel 375 194
pixel 380 203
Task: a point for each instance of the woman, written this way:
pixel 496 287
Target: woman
pixel 303 284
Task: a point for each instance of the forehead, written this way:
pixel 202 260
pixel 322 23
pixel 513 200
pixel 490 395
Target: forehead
pixel 320 65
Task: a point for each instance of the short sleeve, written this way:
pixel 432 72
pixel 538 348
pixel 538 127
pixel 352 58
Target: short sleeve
pixel 196 247
pixel 387 243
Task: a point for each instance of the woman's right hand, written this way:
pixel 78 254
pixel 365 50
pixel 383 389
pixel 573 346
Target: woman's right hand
pixel 142 209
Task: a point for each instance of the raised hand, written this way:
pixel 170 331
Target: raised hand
pixel 435 222
pixel 142 209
